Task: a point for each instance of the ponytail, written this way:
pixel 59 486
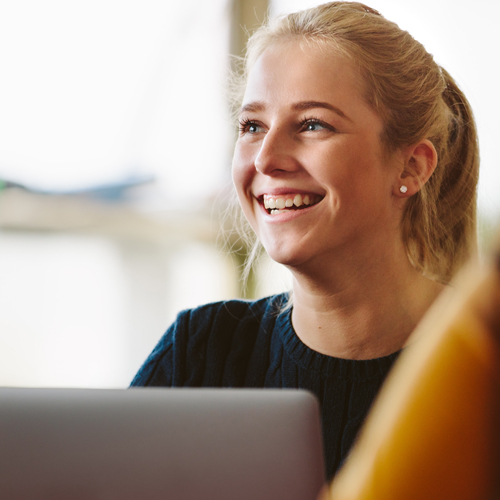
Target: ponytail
pixel 439 223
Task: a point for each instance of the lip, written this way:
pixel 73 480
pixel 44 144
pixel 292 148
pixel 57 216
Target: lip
pixel 288 215
pixel 284 190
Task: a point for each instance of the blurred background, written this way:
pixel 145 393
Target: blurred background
pixel 115 155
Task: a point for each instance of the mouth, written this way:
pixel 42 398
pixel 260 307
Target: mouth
pixel 278 204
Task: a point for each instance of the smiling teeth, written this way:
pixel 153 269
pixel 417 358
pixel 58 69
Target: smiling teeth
pixel 281 202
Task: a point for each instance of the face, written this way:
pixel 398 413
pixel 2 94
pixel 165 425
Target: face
pixel 308 166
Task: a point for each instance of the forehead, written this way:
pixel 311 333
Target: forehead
pixel 291 71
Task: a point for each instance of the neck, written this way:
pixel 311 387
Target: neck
pixel 360 311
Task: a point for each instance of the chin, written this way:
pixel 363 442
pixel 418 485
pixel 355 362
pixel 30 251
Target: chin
pixel 285 257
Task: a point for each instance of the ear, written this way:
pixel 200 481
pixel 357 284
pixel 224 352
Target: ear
pixel 420 160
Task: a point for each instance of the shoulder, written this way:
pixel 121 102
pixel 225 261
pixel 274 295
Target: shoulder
pixel 229 313
pixel 222 322
pixel 205 333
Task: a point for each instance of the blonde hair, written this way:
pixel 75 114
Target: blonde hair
pixel 416 99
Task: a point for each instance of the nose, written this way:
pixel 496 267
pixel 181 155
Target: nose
pixel 275 155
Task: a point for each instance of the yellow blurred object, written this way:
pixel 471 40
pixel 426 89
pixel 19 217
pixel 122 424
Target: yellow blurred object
pixel 434 430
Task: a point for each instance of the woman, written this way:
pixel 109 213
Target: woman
pixel 356 166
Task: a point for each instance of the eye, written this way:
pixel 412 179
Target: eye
pixel 253 128
pixel 313 125
pixel 248 126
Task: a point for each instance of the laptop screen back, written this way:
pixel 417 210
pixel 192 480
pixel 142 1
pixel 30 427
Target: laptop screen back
pixel 181 444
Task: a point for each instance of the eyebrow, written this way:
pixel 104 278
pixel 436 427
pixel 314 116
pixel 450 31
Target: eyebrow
pixel 299 106
pixel 303 105
pixel 253 106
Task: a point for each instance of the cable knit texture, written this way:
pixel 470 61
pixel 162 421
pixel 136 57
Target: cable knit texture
pixel 252 344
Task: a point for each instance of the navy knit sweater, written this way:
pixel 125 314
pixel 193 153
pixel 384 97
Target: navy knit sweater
pixel 251 344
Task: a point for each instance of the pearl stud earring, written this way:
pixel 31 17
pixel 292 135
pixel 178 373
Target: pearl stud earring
pixel 403 189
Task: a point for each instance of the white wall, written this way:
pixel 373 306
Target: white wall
pixel 85 311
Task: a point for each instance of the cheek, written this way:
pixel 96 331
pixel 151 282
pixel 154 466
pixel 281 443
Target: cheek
pixel 242 172
pixel 348 168
pixel 339 169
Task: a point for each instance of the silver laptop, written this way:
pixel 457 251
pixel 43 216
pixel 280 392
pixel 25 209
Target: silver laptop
pixel 148 444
